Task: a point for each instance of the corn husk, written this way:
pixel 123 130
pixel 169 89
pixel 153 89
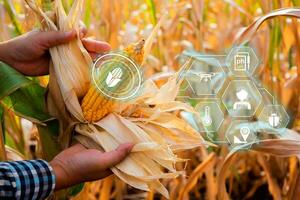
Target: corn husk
pixel 148 121
pixel 287 144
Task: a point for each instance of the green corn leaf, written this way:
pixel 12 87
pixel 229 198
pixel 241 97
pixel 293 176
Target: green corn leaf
pixel 48 137
pixel 26 97
pixel 1 115
pixel 152 10
pixel 87 13
pixel 12 80
pixel 12 15
pixel 2 139
pixel 46 5
pixel 296 2
pixel 73 191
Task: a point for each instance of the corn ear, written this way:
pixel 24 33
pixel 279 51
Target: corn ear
pixel 147 121
pixel 94 105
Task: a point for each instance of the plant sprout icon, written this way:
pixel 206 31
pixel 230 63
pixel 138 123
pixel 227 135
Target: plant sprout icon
pixel 242 95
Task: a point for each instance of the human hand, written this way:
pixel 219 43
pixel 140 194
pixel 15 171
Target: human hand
pixel 78 164
pixel 29 53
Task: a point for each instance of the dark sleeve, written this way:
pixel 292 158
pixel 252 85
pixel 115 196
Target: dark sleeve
pixel 32 179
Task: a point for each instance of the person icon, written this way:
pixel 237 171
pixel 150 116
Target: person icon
pixel 242 95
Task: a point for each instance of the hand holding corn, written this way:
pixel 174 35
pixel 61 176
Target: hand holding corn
pixel 149 122
pixel 78 164
pixel 29 54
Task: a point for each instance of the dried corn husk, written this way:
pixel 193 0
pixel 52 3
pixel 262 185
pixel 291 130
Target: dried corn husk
pixel 148 121
pixel 287 144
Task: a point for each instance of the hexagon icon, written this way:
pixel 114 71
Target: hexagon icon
pixel 240 134
pixel 204 78
pixel 241 98
pixel 275 116
pixel 242 61
pixel 209 116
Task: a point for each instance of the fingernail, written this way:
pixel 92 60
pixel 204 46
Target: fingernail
pixel 128 147
pixel 81 32
pixel 108 47
pixel 70 33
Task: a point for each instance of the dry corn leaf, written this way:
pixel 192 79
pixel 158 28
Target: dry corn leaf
pixel 12 154
pixel 167 93
pixel 105 191
pixel 288 145
pixel 272 183
pixel 249 32
pixel 223 174
pixel 196 174
pixel 150 39
pixel 279 147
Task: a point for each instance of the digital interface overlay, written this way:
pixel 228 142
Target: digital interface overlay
pixel 117 77
pixel 231 105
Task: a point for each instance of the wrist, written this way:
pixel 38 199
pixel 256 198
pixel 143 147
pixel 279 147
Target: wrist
pixel 60 174
pixel 63 177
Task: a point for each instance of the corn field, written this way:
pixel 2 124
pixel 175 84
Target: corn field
pixel 270 169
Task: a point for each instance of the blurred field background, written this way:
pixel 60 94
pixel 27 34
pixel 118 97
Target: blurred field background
pixel 203 26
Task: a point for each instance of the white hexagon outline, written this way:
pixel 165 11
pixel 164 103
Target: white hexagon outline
pixel 260 99
pixel 190 86
pixel 219 108
pixel 249 143
pixel 229 64
pixel 284 111
pixel 182 90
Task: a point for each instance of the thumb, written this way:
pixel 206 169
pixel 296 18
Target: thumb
pixel 112 158
pixel 54 38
